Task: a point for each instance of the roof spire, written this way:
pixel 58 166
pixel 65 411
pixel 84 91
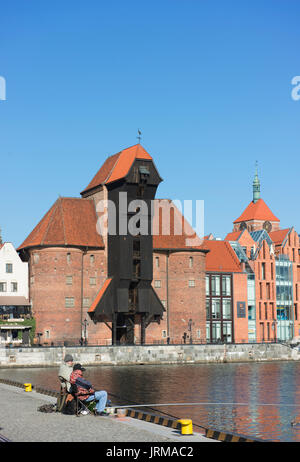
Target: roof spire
pixel 256 185
pixel 139 135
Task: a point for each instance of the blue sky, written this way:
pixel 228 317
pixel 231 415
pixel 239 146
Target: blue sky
pixel 208 83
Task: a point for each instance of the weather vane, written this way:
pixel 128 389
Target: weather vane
pixel 139 136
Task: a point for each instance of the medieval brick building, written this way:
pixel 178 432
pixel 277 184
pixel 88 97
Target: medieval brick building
pixel 88 282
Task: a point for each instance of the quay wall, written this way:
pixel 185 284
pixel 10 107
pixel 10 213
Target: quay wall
pixel 147 354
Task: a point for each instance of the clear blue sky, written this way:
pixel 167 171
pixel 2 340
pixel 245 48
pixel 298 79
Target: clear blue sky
pixel 208 83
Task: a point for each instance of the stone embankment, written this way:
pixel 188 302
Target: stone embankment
pixel 154 354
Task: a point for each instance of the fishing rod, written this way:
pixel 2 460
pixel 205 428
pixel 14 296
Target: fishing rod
pixel 148 406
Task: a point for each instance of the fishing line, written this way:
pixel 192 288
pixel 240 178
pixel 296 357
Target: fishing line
pixel 208 404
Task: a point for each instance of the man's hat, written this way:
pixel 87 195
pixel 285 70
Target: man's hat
pixel 78 367
pixel 68 358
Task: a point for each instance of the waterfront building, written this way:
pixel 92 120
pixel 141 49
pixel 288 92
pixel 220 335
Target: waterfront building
pixel 273 254
pixel 14 302
pixel 105 287
pixel 229 279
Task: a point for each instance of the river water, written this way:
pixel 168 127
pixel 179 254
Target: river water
pixel 252 399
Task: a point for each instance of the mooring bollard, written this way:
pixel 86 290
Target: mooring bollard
pixel 186 426
pixel 27 386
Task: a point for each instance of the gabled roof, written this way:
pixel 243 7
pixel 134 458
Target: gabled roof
pixel 70 221
pixel 279 236
pixel 171 230
pixel 257 211
pixel 221 257
pixel 234 236
pixel 117 166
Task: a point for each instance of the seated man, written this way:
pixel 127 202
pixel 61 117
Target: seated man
pixel 66 370
pixel 85 391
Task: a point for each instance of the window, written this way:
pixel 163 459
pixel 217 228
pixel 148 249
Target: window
pixel 226 286
pixel 69 302
pixel 68 257
pixel 216 308
pixel 226 309
pixel 263 271
pixel 69 280
pixel 14 287
pixel 157 262
pixel 259 310
pixel 164 303
pixel 207 285
pixel 9 267
pixel 2 286
pixel 36 258
pixel 92 259
pixel 198 333
pixel 266 310
pixel 260 290
pixel 164 334
pixel 86 302
pixel 207 308
pixel 92 281
pixel 272 271
pixel 191 282
pixel 157 283
pixel 191 262
pixel 268 291
pixel 215 285
pixel 47 333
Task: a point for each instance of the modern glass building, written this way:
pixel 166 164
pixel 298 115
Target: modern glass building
pixel 284 298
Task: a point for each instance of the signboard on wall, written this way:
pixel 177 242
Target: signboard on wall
pixel 241 309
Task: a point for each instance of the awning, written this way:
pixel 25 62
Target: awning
pixel 14 301
pixel 8 327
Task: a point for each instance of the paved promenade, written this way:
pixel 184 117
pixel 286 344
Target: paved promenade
pixel 20 421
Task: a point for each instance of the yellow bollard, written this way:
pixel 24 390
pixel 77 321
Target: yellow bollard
pixel 27 386
pixel 186 426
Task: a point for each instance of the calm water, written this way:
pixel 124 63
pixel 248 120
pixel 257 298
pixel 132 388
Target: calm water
pixel 252 384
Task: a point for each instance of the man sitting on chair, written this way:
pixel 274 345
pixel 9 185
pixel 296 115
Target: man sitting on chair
pixel 85 391
pixel 65 371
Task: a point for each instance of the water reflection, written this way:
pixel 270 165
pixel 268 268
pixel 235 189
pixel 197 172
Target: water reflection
pixel 252 384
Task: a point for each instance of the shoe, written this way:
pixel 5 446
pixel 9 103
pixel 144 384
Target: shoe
pixel 108 403
pixel 102 414
pixel 84 412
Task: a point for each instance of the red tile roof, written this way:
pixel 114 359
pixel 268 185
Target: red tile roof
pixel 234 236
pixel 257 211
pixel 279 236
pixel 221 257
pixel 70 221
pixel 117 166
pixel 170 229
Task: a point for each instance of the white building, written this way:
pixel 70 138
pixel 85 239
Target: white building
pixel 14 303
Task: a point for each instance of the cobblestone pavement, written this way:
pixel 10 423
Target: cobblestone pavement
pixel 20 421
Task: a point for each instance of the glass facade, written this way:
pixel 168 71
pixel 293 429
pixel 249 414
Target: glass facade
pixel 284 298
pixel 251 308
pixel 219 309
